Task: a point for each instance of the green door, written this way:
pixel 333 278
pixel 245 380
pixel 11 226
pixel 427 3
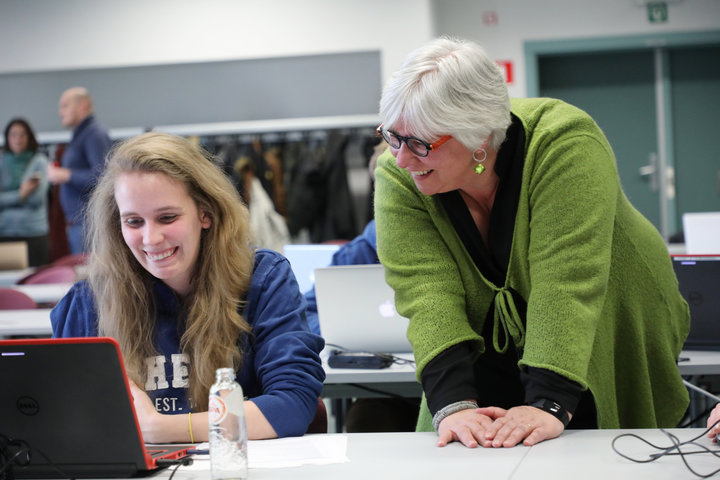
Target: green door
pixel 617 89
pixel 695 92
pixel 624 89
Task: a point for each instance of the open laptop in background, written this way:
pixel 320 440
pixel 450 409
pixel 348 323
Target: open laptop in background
pixel 305 258
pixel 356 309
pixel 702 233
pixel 69 401
pixel 699 280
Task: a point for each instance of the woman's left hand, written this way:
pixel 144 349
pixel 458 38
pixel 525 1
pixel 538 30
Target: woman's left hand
pixel 525 424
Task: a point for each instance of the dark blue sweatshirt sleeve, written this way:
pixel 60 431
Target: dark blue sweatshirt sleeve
pixel 286 353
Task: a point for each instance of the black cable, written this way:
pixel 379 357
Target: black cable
pixel 178 463
pixel 25 449
pixel 675 449
pixel 172 474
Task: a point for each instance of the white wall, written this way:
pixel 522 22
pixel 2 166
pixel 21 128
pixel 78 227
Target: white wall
pixel 41 35
pixel 519 21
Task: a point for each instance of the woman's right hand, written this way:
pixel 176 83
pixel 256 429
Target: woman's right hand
pixel 466 426
pixel 147 415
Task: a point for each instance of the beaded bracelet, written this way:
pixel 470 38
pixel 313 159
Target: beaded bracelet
pixel 450 409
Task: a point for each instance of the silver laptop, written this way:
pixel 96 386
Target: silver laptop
pixel 305 258
pixel 356 309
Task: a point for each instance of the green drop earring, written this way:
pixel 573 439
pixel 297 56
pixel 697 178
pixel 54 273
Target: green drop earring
pixel 479 168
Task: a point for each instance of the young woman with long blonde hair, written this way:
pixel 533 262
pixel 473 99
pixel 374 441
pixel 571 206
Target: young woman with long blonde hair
pixel 174 278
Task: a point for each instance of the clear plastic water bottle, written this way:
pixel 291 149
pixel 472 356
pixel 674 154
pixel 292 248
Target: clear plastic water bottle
pixel 228 434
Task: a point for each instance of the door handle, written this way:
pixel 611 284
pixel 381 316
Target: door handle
pixel 650 172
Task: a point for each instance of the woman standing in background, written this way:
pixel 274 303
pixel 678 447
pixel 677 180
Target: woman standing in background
pixel 24 192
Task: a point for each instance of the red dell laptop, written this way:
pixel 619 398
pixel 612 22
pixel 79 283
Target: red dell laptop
pixel 66 411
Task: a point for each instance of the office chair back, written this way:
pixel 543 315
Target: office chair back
pixel 11 299
pixel 53 274
pixel 319 423
pixel 72 259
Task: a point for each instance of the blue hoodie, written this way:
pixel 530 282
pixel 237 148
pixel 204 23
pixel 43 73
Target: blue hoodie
pixel 281 371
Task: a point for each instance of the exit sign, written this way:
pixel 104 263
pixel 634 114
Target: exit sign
pixel 657 12
pixel 507 68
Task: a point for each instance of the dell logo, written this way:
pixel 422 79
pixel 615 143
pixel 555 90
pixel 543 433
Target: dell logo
pixel 27 406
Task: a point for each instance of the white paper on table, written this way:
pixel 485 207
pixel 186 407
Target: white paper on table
pixel 296 451
pixel 287 452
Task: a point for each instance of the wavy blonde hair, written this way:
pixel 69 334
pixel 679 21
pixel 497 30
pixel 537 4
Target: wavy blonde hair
pixel 123 289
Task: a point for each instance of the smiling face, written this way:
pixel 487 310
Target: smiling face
pixel 448 167
pixel 161 224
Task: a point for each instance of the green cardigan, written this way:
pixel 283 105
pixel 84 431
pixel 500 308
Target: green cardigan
pixel 603 305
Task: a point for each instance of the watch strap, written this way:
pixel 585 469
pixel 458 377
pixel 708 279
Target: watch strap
pixel 554 409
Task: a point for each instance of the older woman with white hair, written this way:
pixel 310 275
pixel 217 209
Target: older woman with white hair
pixel 539 298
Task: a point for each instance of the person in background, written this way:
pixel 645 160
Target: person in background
pixel 82 160
pixel 712 419
pixel 173 277
pixel 361 250
pixel 367 414
pixel 539 298
pixel 24 192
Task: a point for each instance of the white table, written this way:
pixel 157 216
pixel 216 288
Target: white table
pixel 49 293
pixel 585 454
pixel 699 362
pixel 25 322
pixel 588 454
pixel 11 277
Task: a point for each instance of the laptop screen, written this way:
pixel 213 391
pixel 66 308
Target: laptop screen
pixel 702 233
pixel 68 400
pixel 699 281
pixel 356 309
pixel 305 258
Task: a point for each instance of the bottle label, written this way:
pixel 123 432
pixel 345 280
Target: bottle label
pixel 235 402
pixel 217 409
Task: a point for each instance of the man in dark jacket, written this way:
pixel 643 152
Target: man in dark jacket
pixel 82 161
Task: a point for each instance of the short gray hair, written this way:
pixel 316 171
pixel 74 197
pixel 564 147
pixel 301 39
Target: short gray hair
pixel 449 87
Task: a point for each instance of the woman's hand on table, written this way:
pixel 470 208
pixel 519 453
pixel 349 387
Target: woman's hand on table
pixel 525 424
pixel 466 426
